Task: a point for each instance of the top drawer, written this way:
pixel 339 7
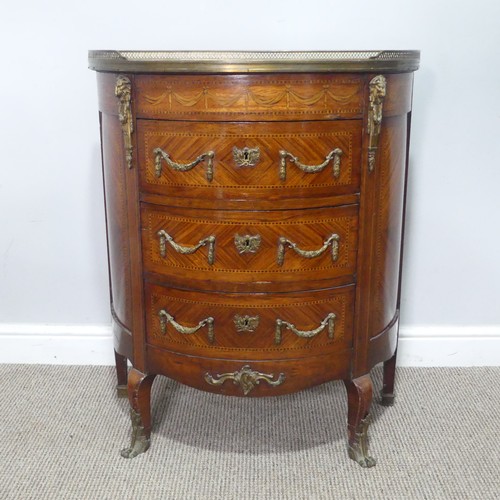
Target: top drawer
pixel 249 161
pixel 249 97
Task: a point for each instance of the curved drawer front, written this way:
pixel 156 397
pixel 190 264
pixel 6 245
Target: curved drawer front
pixel 249 160
pixel 235 246
pixel 249 97
pixel 254 326
pixel 240 377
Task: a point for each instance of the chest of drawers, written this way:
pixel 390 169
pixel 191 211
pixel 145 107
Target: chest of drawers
pixel 255 208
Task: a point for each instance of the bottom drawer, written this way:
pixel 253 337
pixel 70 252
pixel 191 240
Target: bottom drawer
pixel 249 378
pixel 250 326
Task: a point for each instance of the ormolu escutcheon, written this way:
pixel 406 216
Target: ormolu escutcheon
pixel 247 243
pixel 246 157
pixel 246 323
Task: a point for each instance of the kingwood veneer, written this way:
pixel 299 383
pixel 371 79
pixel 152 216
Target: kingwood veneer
pixel 254 207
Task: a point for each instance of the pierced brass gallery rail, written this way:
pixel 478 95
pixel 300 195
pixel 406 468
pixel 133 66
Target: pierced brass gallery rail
pixel 334 155
pixel 378 90
pixel 123 90
pixel 186 250
pixel 163 155
pixel 246 378
pixel 329 322
pixel 332 240
pixel 166 318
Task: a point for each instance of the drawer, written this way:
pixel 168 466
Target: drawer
pixel 249 160
pixel 241 377
pixel 255 326
pixel 247 97
pixel 232 246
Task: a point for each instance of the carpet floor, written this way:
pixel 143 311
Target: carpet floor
pixel 63 427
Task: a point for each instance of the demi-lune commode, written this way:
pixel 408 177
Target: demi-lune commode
pixel 255 209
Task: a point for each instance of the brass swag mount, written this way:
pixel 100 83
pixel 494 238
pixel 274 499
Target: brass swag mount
pixel 247 157
pixel 166 318
pixel 334 156
pixel 250 244
pixel 246 323
pixel 246 378
pixel 333 240
pixel 187 250
pixel 305 334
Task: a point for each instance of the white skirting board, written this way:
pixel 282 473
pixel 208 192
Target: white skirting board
pixel 429 345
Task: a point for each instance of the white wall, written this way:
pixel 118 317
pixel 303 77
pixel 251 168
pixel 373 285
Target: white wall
pixel 53 267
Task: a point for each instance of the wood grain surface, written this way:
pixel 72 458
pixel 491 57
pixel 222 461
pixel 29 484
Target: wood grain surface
pixel 305 310
pixel 307 228
pixel 263 278
pixel 309 142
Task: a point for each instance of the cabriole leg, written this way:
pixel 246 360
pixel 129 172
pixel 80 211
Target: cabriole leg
pixel 121 375
pixel 387 392
pixel 139 395
pixel 359 398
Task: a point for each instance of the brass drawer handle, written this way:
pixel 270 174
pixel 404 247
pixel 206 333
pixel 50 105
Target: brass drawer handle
pixel 187 250
pixel 246 378
pixel 247 243
pixel 246 157
pixel 305 334
pixel 166 318
pixel 334 155
pixel 332 240
pixel 163 155
pixel 246 323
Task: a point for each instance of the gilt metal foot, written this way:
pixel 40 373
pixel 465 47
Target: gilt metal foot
pixel 121 391
pixel 140 441
pixel 358 447
pixel 386 399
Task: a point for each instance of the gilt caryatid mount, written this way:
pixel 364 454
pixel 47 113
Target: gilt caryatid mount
pixel 123 91
pixel 378 91
pixel 254 206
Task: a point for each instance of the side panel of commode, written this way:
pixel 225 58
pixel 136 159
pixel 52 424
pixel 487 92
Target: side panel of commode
pixel 381 229
pixel 122 221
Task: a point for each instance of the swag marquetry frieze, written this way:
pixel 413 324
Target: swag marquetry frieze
pixel 181 96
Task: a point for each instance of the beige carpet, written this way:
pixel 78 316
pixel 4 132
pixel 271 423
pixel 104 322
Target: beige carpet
pixel 62 429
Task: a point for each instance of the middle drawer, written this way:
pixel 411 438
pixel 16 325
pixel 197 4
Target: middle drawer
pixel 232 246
